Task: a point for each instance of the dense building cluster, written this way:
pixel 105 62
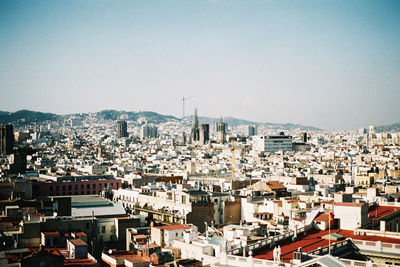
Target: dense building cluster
pixel 92 192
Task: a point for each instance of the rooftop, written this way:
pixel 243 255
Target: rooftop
pixel 173 227
pixel 77 242
pixel 380 211
pixel 349 204
pixel 312 241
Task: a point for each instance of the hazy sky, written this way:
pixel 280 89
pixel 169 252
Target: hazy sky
pixel 329 64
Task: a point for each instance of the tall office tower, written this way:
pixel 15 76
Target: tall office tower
pixel 204 130
pixel 194 133
pixel 6 139
pixel 122 129
pixel 221 132
pixel 149 131
pixel 304 137
pixel 153 132
pixel 252 130
pixel 145 131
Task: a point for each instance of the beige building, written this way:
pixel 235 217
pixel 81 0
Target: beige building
pixel 351 215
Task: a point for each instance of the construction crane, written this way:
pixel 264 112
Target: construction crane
pixel 183 99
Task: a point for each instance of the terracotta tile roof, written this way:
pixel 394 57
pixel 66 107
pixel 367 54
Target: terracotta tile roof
pixel 51 233
pixel 81 234
pixel 75 262
pixel 313 241
pixel 323 217
pixel 173 227
pixel 77 242
pixel 273 185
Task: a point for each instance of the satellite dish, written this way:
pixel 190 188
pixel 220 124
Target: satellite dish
pixel 110 251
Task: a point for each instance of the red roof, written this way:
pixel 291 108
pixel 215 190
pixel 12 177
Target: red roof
pixel 35 214
pixel 51 233
pixel 81 234
pixel 173 227
pixel 313 241
pixel 77 242
pixel 74 262
pixel 273 185
pixel 323 217
pixel 380 211
pixel 349 204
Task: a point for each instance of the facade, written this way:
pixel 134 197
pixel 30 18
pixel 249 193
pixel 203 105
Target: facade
pixel 304 137
pixel 73 186
pixel 351 215
pixel 204 131
pixel 273 143
pixel 195 131
pixel 122 129
pixel 251 130
pixel 149 131
pixel 221 128
pixel 6 139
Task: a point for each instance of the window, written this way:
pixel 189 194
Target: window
pixel 64 187
pixel 88 186
pixel 69 187
pixel 100 186
pixel 57 188
pixel 76 187
pixel 51 188
pixel 103 229
pixel 94 186
pixel 87 225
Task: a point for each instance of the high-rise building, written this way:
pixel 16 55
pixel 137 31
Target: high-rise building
pixel 195 133
pixel 149 131
pixel 6 139
pixel 122 129
pixel 204 130
pixel 251 130
pixel 221 132
pixel 304 137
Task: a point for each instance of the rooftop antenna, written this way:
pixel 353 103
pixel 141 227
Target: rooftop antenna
pixel 183 99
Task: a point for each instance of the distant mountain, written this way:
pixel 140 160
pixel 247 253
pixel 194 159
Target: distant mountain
pixel 23 117
pixel 395 127
pixel 27 117
pixel 277 126
pixel 151 117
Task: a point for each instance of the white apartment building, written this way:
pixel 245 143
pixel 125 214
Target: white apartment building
pixel 272 143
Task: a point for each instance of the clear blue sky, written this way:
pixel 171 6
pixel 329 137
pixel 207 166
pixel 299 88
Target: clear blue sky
pixel 330 64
